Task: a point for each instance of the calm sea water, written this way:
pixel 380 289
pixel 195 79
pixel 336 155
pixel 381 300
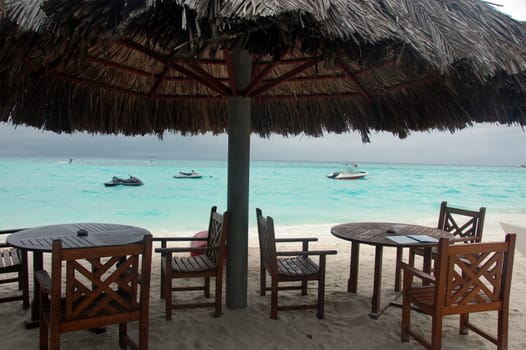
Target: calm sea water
pixel 48 191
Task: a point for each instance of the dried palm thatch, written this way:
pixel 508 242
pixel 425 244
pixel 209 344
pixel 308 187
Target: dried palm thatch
pixel 150 66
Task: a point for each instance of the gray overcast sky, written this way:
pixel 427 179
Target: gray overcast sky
pixel 485 144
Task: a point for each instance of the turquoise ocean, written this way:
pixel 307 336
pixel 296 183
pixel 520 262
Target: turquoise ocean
pixel 42 191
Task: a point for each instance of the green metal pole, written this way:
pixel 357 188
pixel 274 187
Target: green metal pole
pixel 238 183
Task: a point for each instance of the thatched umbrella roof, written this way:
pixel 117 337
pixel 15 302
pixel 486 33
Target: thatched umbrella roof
pixel 145 66
pixel 263 66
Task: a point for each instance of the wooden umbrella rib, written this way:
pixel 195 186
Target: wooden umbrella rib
pixel 190 97
pixel 91 83
pixel 256 82
pixel 158 82
pixel 290 61
pixel 218 87
pixel 307 97
pixel 411 84
pixel 210 80
pixel 386 64
pixel 311 62
pixel 206 80
pixel 353 80
pixel 120 67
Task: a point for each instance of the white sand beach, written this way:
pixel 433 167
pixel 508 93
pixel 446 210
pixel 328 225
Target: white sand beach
pixel 346 324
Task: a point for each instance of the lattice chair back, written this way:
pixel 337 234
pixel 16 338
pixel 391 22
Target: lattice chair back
pixel 101 282
pixel 216 237
pixel 466 225
pixel 472 277
pixel 267 241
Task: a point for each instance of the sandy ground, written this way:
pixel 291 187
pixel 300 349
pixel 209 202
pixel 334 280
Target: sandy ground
pixel 346 323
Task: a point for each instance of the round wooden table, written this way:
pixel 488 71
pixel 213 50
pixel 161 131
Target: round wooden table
pixel 376 234
pixel 78 235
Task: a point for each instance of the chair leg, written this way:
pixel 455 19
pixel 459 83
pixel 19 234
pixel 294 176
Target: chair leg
pixel 143 332
pixel 398 269
pixel 321 296
pixel 54 340
pixel 262 279
pixel 218 296
pixel 303 287
pixel 406 319
pixel 168 292
pixel 463 326
pixel 436 333
pixel 274 299
pixel 44 335
pixel 502 329
pixel 162 279
pixel 123 331
pixel 207 287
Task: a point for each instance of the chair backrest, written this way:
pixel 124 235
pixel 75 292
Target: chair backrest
pixel 462 223
pixel 474 277
pixel 217 235
pixel 267 241
pixel 102 285
pixel 10 256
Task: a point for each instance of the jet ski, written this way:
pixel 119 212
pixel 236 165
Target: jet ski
pixel 188 175
pixel 131 181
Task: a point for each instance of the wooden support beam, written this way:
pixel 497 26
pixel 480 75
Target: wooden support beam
pixel 353 80
pixel 158 83
pixel 311 62
pixel 200 76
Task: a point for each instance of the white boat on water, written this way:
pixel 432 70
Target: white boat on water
pixel 348 173
pixel 188 175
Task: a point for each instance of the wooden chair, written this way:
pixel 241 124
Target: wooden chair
pixel 13 263
pixel 289 266
pixel 465 225
pixel 468 278
pixel 101 286
pixel 210 264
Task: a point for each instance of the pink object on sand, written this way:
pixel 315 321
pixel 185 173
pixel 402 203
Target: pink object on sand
pixel 197 244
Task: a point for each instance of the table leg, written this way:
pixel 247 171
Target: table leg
pixel 427 262
pixel 398 272
pixel 375 307
pixel 38 265
pixel 352 284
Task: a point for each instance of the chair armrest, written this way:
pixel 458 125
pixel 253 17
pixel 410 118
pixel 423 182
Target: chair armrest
pixel 184 249
pixel 418 273
pixel 305 253
pixel 288 240
pixel 464 240
pixel 43 279
pixel 178 239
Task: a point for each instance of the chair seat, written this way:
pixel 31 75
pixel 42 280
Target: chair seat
pixel 297 266
pixel 422 297
pixel 199 263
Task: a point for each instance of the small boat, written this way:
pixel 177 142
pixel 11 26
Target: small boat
pixel 131 181
pixel 188 175
pixel 347 174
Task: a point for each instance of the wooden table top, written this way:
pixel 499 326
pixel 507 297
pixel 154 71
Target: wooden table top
pixel 76 235
pixel 375 233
